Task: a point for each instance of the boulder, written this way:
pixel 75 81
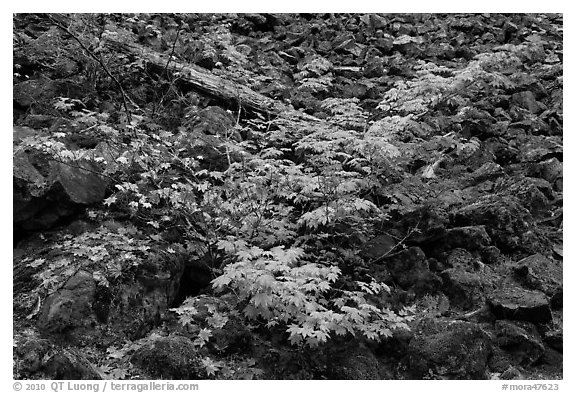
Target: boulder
pixel 507 222
pixel 491 255
pixel 409 268
pixel 488 171
pixel 81 181
pixel 521 340
pixel 38 94
pixel 172 357
pixel 131 305
pixel 450 349
pixel 535 148
pixel 520 304
pixel 38 358
pixel 70 306
pixel 549 170
pixel 138 304
pixel 540 273
pixel 464 289
pixel 47 192
pixel 555 339
pixel 470 238
pixel 71 364
pixel 212 120
pixel 352 361
pixel 526 100
pixel 534 194
pixel 512 373
pixel 378 246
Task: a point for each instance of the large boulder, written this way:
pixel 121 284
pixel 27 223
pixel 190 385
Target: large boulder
pixel 81 181
pixel 555 339
pixel 136 305
pixel 534 194
pixel 521 340
pixel 449 349
pixel 464 289
pixel 540 273
pixel 526 100
pixel 70 306
pixel 409 268
pixel 549 170
pixel 507 222
pixel 469 237
pixel 95 300
pixel 520 304
pixel 46 192
pixel 352 361
pixel 38 358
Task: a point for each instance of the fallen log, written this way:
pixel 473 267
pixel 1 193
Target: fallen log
pixel 197 77
pixel 204 81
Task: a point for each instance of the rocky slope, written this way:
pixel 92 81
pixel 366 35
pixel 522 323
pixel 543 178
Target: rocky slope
pixel 468 235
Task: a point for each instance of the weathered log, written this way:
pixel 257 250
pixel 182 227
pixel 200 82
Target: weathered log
pixel 206 82
pixel 199 78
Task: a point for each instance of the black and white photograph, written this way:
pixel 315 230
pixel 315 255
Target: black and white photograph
pixel 286 196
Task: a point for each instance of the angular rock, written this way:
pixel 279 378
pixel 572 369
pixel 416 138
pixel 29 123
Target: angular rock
pixel 535 194
pixel 470 238
pixel 212 120
pixel 526 100
pixel 534 148
pixel 71 364
pixel 20 133
pixel 490 255
pixel 488 171
pixel 557 300
pixel 45 193
pixel 540 273
pixel 520 304
pixel 503 153
pixel 139 303
pixel 521 340
pixel 172 357
pixel 555 339
pixel 452 349
pixel 409 268
pixel 464 289
pixel 37 358
pixel 512 373
pixel 70 306
pixel 461 259
pixel 353 361
pixel 31 354
pixel 82 182
pixel 378 247
pixel 38 122
pixel 549 170
pixel 507 222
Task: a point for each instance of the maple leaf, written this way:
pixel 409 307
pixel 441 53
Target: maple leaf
pixel 210 366
pixel 306 331
pixel 220 282
pixel 261 300
pixel 110 200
